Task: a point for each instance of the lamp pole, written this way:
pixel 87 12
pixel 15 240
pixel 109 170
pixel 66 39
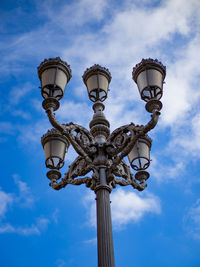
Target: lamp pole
pixel 99 150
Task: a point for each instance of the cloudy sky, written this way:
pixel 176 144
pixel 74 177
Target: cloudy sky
pixel 157 227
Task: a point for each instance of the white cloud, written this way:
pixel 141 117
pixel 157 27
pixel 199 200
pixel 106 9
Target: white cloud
pixel 76 112
pixel 120 40
pixel 164 170
pixel 42 223
pixel 187 140
pixel 32 133
pixel 25 200
pixel 127 207
pixel 6 199
pixel 34 229
pixel 84 10
pixel 181 94
pixel 20 113
pixel 18 93
pixel 6 228
pixel 25 197
pixel 92 241
pixel 55 216
pixel 191 221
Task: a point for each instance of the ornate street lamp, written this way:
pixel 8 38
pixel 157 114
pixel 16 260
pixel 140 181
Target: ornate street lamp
pixel 98 150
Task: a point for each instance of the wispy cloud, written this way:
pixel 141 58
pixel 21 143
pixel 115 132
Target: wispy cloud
pixel 191 221
pixel 25 197
pixel 23 200
pixel 7 128
pixel 61 263
pixel 17 94
pixel 71 110
pixel 167 170
pixel 55 216
pixel 127 207
pixel 6 199
pixel 92 241
pixel 34 229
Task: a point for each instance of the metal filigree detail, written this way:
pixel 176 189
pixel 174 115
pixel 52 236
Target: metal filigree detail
pixel 123 170
pixel 78 168
pixel 55 61
pixel 109 154
pixel 122 140
pixel 79 137
pixel 146 62
pixel 96 67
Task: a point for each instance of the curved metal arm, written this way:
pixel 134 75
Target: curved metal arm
pixel 123 170
pixel 62 184
pixel 125 137
pixel 152 123
pixel 56 124
pixel 127 149
pixel 139 186
pixel 122 140
pixel 79 167
pixel 82 142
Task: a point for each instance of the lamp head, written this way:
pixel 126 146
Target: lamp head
pixel 55 147
pixel 139 157
pixel 97 80
pixel 149 76
pixel 54 75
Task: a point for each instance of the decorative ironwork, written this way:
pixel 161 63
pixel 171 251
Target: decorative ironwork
pixel 93 69
pixel 147 61
pixel 100 163
pixel 116 147
pixel 54 61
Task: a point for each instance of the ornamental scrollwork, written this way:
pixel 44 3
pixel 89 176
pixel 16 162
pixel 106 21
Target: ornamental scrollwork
pixel 93 155
pixel 123 170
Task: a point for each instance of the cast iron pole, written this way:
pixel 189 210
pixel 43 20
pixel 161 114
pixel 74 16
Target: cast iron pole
pixel 104 223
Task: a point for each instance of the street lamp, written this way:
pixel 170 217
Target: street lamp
pixel 99 150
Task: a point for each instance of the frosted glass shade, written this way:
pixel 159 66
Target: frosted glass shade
pixel 97 80
pixel 54 75
pixel 149 76
pixel 139 157
pixel 55 147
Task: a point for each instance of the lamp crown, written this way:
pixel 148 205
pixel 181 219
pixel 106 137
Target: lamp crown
pixel 96 68
pixel 53 62
pixel 147 64
pixel 52 133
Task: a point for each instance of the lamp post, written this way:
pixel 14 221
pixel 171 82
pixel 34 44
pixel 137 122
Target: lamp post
pixel 98 150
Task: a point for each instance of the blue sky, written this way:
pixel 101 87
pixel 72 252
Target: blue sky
pixel 157 227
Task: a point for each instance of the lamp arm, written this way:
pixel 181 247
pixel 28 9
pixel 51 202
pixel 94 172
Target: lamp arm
pixel 56 124
pixel 123 170
pixel 79 137
pixel 153 122
pixel 137 131
pixel 122 141
pixel 79 167
pixel 63 183
pixel 139 186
